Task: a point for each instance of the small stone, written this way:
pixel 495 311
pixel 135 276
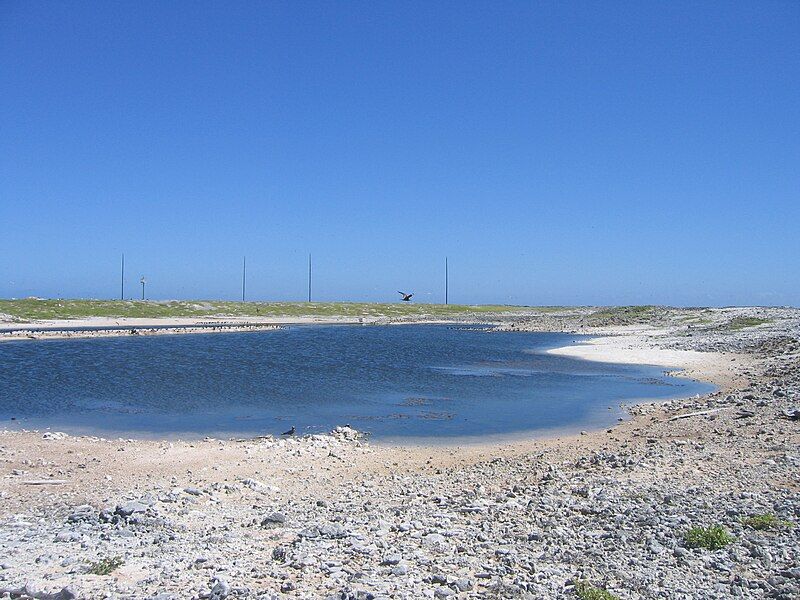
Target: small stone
pixel 129 508
pixel 220 590
pixel 391 559
pixel 333 531
pixel 68 536
pixel 273 518
pixel 434 539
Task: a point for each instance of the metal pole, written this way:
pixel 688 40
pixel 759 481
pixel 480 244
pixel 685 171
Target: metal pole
pixel 446 280
pixel 309 277
pixel 122 280
pixel 244 275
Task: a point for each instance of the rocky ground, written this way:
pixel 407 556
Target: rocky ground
pixel 336 517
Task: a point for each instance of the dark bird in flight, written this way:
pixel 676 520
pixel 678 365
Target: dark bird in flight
pixel 290 432
pixel 406 297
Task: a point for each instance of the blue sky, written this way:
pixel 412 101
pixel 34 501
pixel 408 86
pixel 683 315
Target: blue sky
pixel 557 152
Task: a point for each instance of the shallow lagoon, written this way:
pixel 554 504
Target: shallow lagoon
pixel 415 381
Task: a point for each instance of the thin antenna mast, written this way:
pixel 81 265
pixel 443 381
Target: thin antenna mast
pixel 309 277
pixel 446 280
pixel 244 275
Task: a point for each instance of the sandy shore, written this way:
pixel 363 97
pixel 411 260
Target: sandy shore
pixel 335 517
pixel 636 346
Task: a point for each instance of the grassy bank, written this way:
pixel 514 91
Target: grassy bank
pixel 32 309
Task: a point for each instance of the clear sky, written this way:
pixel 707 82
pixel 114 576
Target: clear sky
pixel 557 152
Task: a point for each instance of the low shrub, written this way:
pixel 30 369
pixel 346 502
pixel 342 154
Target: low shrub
pixel 104 566
pixel 711 538
pixel 765 521
pixel 586 591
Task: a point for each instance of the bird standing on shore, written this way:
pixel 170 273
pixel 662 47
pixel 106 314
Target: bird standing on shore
pixel 406 297
pixel 290 432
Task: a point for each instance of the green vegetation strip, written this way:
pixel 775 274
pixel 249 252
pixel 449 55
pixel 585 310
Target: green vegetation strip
pixel 743 322
pixel 35 309
pixel 623 314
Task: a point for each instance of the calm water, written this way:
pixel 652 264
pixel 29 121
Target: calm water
pixel 395 381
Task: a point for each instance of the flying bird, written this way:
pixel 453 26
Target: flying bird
pixel 406 297
pixel 290 432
